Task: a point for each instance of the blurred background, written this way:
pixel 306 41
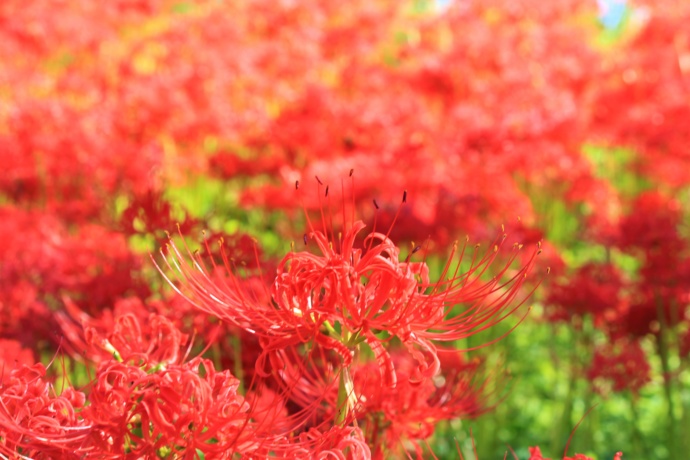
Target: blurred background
pixel 564 121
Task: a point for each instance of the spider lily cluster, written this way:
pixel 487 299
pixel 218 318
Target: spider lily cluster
pixel 119 120
pixel 348 297
pixel 347 337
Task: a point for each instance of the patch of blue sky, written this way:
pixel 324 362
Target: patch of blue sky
pixel 612 12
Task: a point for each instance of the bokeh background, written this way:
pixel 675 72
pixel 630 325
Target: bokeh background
pixel 564 121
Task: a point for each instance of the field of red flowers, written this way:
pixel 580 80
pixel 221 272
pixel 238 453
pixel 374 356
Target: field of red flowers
pixel 344 229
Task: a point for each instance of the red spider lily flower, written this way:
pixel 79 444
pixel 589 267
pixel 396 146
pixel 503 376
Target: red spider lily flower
pixel 350 291
pixel 593 289
pixel 145 409
pixel 135 409
pixel 39 250
pixel 140 409
pixel 535 454
pixel 409 415
pixel 652 226
pixel 150 213
pixel 617 456
pixel 146 400
pixel 623 365
pixel 23 314
pixel 35 422
pixel 131 330
pixel 299 415
pixel 336 442
pixel 308 380
pixel 13 356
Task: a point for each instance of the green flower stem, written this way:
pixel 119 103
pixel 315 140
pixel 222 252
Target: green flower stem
pixel 342 405
pixel 237 358
pixel 636 435
pixel 563 428
pixel 663 351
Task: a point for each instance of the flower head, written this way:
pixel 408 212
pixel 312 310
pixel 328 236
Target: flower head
pixel 344 290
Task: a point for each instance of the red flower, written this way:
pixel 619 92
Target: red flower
pixel 622 365
pixel 535 454
pixel 653 225
pixel 13 356
pixel 37 423
pixel 347 292
pixel 393 419
pixel 593 289
pixel 145 408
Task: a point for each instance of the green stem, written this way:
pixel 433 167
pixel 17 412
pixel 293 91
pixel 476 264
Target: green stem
pixel 685 417
pixel 638 443
pixel 331 330
pixel 563 428
pixel 586 439
pixel 236 344
pixel 663 351
pixel 342 404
